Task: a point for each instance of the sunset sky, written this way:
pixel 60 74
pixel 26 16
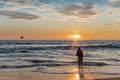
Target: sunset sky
pixel 58 19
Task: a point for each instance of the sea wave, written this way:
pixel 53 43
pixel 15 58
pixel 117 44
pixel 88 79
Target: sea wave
pixel 52 64
pixel 76 72
pixel 25 49
pixel 33 54
pixel 33 42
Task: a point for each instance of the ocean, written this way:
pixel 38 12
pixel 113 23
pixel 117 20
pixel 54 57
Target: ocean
pixel 51 56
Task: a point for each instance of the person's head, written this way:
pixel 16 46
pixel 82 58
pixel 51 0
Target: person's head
pixel 79 48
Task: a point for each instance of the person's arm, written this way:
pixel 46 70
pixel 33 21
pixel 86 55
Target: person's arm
pixel 82 52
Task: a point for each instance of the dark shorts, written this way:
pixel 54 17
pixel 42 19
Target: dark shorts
pixel 80 59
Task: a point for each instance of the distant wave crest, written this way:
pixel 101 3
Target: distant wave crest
pixel 24 49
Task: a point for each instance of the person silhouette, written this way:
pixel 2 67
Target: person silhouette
pixel 80 57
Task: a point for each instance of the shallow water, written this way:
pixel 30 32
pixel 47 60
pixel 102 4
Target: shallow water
pixel 44 56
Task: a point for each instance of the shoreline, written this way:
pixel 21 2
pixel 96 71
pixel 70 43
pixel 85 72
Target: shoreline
pixel 36 75
pixel 42 76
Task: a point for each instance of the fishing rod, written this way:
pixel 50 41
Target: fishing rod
pixel 93 36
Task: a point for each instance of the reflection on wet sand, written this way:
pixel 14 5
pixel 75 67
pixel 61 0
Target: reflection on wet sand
pixel 78 76
pixel 84 74
pixel 81 74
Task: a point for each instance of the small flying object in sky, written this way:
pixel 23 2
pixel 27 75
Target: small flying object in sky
pixel 22 37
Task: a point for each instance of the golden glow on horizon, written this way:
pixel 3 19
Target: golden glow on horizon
pixel 75 36
pixel 51 24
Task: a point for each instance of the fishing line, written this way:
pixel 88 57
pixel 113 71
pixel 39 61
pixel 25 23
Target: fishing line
pixel 91 38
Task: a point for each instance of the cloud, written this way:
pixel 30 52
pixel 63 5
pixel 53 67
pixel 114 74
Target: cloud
pixel 110 24
pixel 24 9
pixel 114 22
pixel 76 10
pixel 116 5
pixel 21 2
pixel 16 15
pixel 114 1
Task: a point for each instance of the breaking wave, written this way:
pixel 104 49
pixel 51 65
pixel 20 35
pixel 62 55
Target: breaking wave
pixel 25 49
pixel 51 64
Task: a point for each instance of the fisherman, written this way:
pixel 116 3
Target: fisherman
pixel 80 57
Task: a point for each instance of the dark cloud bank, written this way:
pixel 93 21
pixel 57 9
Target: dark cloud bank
pixel 16 15
pixel 82 11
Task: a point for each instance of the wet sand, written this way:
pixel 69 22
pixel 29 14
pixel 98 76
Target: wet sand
pixel 41 76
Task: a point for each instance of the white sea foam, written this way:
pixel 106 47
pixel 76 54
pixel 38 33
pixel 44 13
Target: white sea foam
pixel 34 54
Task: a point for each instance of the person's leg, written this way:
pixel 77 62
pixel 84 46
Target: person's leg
pixel 79 62
pixel 82 61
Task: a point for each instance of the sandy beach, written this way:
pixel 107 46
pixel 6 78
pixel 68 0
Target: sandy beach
pixel 41 76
